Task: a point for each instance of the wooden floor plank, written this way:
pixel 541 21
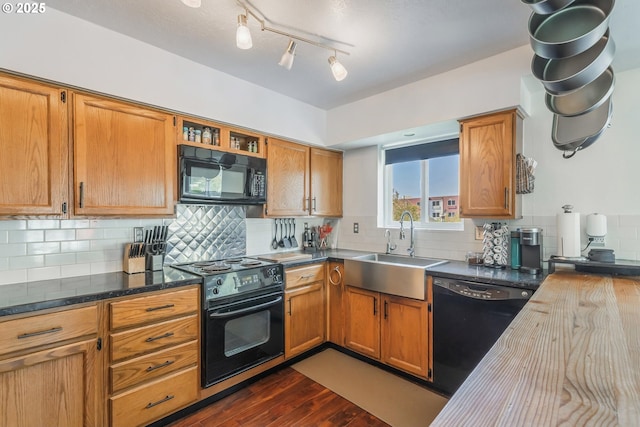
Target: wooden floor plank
pixel 284 399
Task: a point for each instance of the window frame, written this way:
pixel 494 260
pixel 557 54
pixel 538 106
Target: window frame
pixel 385 210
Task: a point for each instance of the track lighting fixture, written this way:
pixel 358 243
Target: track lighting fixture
pixel 243 35
pixel 192 3
pixel 338 70
pixel 243 39
pixel 287 57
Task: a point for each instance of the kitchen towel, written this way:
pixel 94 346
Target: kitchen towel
pixel 568 225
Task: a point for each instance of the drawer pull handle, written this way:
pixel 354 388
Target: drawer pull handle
pixel 162 307
pixel 167 335
pixel 35 334
pixel 151 405
pixel 306 276
pixel 162 365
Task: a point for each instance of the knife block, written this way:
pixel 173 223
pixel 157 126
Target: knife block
pixel 132 265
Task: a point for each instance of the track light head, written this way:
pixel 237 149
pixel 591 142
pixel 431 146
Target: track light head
pixel 243 35
pixel 338 70
pixel 288 56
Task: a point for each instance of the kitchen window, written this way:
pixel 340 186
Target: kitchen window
pixel 424 180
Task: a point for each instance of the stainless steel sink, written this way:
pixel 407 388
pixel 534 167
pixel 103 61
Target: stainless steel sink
pixel 402 260
pixel 391 274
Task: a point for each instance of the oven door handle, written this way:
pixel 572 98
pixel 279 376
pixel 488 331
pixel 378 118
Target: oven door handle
pixel 215 315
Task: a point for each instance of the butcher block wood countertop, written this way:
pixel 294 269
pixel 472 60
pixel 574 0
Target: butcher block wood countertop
pixel 571 357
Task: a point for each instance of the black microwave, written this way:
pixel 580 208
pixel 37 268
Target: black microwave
pixel 211 176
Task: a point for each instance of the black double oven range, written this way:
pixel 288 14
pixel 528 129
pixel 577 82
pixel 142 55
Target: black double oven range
pixel 243 306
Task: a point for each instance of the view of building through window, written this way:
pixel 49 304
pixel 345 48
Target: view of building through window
pixel 426 188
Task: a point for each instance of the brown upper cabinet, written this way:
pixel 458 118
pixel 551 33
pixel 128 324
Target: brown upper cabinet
pixel 487 165
pixel 124 159
pixel 303 180
pixel 34 146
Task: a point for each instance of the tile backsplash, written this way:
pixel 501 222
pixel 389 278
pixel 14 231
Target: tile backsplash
pixel 32 250
pixel 623 232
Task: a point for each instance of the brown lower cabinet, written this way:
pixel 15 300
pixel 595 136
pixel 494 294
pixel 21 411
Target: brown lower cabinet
pixel 388 328
pixel 335 303
pixel 49 371
pixel 304 324
pixel 134 360
pixel 153 354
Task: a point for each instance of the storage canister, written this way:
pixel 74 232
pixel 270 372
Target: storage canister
pixel 206 136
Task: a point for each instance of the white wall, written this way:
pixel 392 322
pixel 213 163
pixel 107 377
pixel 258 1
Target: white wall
pixel 486 85
pixel 603 178
pixel 65 49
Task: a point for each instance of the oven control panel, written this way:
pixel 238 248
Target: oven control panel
pixel 239 282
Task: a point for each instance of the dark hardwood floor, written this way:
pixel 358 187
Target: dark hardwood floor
pixel 285 398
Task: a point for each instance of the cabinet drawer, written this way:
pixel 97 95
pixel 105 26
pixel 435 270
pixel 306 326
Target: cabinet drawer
pixel 153 365
pixel 49 328
pixel 152 308
pixel 155 400
pixel 303 275
pixel 147 339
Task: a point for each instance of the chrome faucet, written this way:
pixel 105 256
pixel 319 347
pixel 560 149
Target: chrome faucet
pixel 411 248
pixel 390 246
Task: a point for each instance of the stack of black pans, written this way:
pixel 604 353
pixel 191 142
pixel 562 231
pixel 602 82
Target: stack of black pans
pixel 573 56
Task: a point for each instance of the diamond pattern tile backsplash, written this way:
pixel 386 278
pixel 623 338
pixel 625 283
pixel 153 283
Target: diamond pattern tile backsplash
pixel 203 232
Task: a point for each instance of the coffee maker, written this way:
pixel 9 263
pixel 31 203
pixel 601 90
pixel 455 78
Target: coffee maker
pixel 531 250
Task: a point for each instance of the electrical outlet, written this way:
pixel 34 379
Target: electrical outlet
pixel 138 234
pixel 356 228
pixel 479 232
pixel 597 241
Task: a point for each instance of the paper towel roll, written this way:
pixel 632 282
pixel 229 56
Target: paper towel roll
pixel 596 225
pixel 568 225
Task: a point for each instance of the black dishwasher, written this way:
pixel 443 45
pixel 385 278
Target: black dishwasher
pixel 468 318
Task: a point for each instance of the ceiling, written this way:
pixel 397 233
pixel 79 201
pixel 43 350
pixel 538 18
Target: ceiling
pixel 391 42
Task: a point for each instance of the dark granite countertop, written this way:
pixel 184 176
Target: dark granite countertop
pixel 321 256
pixel 451 269
pixel 31 296
pixel 462 271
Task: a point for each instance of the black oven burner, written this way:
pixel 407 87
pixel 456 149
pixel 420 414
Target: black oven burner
pixel 201 263
pixel 215 268
pixel 250 262
pixel 233 260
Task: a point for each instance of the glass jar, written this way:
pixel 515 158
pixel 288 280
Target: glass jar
pixel 216 137
pixel 198 136
pixel 192 134
pixel 185 133
pixel 206 136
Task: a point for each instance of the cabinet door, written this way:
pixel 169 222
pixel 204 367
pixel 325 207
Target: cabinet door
pixel 336 303
pixel 487 166
pixel 124 159
pixel 362 332
pixel 326 183
pixel 33 143
pixel 304 324
pixel 404 334
pixel 287 178
pixel 54 387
